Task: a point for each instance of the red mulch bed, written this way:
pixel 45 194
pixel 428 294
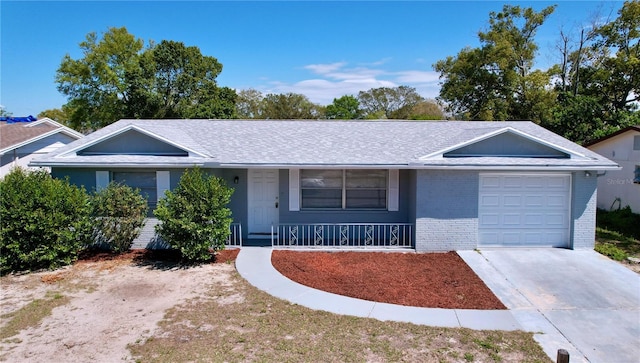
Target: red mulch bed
pixel 432 280
pixel 142 255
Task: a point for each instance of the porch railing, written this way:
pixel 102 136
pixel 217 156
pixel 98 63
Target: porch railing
pixel 343 235
pixel 235 238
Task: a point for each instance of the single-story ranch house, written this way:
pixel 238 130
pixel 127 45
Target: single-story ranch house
pixel 430 186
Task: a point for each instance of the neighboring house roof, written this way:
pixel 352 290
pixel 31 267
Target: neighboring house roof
pixel 18 134
pixel 621 131
pixel 307 143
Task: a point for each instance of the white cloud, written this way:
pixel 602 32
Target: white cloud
pixel 334 80
pixel 417 77
pixel 324 68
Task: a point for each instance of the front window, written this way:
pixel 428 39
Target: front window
pixel 636 178
pixel 343 189
pixel 144 181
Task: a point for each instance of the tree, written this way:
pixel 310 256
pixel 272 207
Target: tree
pixel 249 104
pixel 618 44
pixel 598 83
pixel 344 108
pixel 194 217
pixel 391 103
pixel 176 81
pixel 61 115
pixel 496 81
pixel 116 78
pixel 4 112
pixel 426 110
pixel 289 106
pixel 96 84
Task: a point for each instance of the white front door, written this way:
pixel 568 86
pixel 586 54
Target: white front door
pixel 263 201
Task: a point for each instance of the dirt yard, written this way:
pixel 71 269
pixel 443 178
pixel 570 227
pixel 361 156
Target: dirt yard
pixel 148 308
pixel 113 302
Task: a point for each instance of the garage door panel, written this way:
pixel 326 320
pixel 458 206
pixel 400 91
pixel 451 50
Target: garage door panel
pixel 490 219
pixel 533 238
pixel 524 210
pixel 558 182
pixel 511 220
pixel 557 200
pixel 534 182
pixel 555 220
pixel 490 182
pixel 512 201
pixel 514 182
pixel 532 201
pixel 532 220
pixel 490 200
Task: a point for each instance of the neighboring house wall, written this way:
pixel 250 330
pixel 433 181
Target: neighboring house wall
pixel 619 183
pixel 583 210
pixel 21 156
pixel 446 210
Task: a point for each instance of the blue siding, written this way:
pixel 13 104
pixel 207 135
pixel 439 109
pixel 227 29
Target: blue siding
pixel 81 177
pixel 132 142
pixel 507 144
pixel 446 210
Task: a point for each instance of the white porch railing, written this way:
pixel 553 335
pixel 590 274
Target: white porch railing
pixel 343 235
pixel 235 238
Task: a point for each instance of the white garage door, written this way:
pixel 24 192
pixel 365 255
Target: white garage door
pixel 523 210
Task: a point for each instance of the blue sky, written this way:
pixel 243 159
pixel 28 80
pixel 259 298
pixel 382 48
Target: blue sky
pixel 323 50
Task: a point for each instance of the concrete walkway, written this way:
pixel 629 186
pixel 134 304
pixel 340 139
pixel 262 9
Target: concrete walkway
pixel 575 300
pixel 254 264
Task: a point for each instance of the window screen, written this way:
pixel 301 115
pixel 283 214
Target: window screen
pixel 343 189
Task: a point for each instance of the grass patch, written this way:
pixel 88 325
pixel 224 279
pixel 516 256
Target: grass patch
pixel 617 233
pixel 31 314
pixel 623 221
pixel 238 322
pixel 612 251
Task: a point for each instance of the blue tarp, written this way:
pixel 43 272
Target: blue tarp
pixel 11 119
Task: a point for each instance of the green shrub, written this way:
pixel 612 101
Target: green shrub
pixel 45 221
pixel 194 217
pixel 611 250
pixel 119 213
pixel 622 220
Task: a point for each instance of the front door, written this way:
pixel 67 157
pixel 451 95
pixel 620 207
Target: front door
pixel 263 201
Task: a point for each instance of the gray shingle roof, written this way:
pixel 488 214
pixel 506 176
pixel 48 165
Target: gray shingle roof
pixel 322 143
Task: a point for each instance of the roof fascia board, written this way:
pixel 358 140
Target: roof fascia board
pixel 129 128
pixel 36 138
pixel 414 166
pixel 499 132
pixel 67 130
pixel 161 166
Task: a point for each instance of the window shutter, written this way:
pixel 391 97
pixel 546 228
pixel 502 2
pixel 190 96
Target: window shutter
pixel 393 190
pixel 294 190
pixel 102 179
pixel 163 181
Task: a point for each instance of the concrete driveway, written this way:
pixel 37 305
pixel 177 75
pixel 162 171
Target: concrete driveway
pixel 574 300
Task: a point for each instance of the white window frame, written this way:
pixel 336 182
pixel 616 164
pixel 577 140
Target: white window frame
pixel 392 192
